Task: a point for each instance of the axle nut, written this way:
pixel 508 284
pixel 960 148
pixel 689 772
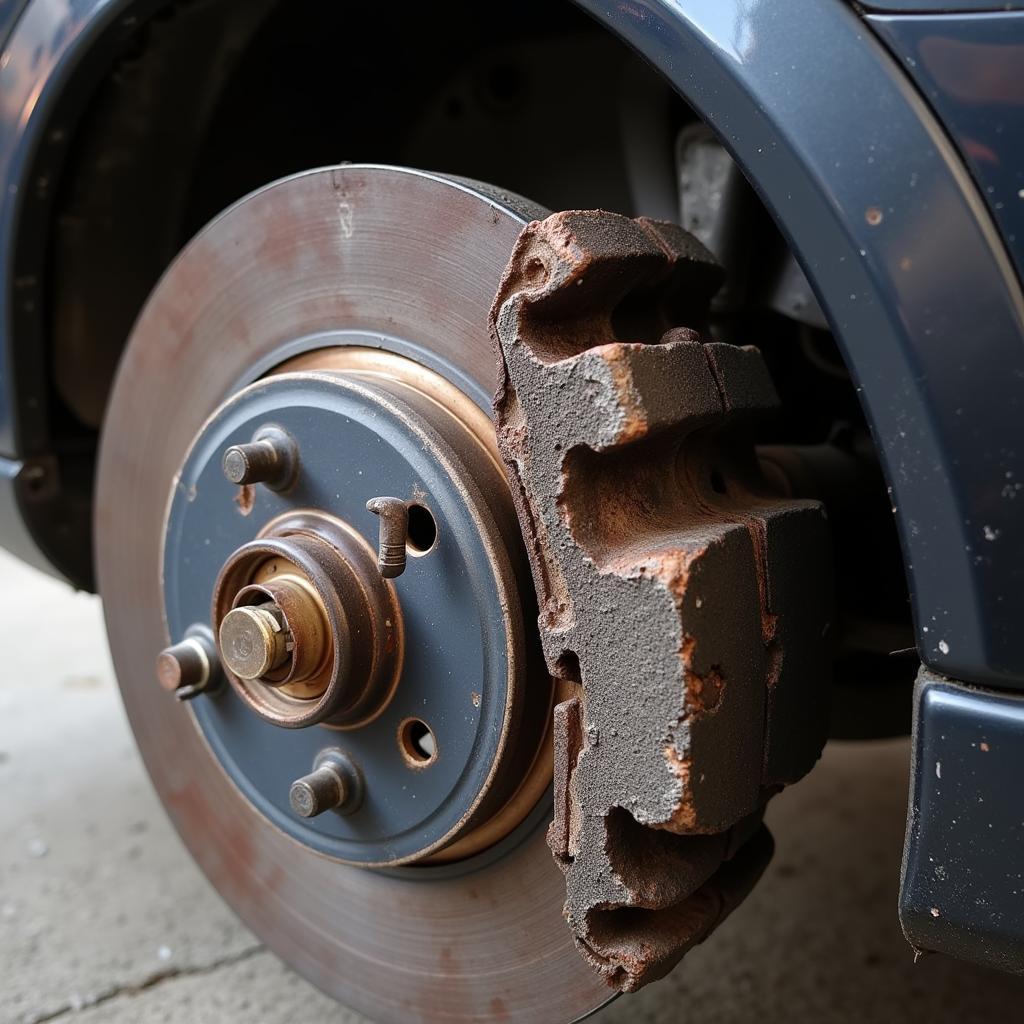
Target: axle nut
pixel 253 640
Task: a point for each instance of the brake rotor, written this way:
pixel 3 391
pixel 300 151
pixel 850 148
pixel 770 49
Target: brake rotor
pixel 347 310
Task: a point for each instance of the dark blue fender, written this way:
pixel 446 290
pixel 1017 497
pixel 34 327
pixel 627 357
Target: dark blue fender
pixel 941 6
pixel 54 51
pixel 10 11
pixel 961 891
pixel 970 68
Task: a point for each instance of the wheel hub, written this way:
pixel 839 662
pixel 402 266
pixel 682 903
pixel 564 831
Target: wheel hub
pixel 430 677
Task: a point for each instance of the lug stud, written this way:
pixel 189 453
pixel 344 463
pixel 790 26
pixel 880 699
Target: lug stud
pixel 254 640
pixel 190 667
pixel 334 784
pixel 271 458
pixel 394 534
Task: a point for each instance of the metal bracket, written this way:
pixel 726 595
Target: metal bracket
pixel 688 600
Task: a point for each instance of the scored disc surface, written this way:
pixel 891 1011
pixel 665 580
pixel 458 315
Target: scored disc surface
pixel 411 260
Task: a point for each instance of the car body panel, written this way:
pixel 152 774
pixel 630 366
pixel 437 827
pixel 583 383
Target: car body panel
pixel 971 69
pixel 46 45
pixel 53 54
pixel 10 11
pixel 941 6
pixel 961 891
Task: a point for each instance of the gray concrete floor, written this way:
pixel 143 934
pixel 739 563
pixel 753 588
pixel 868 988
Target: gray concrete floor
pixel 103 917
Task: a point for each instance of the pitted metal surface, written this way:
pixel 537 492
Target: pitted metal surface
pixel 689 601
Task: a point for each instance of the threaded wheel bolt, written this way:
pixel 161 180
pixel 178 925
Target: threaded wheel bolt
pixel 334 784
pixel 271 458
pixel 190 667
pixel 317 792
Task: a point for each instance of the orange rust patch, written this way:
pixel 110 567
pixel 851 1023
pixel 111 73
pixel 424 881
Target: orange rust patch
pixel 704 691
pixel 245 498
pixel 684 817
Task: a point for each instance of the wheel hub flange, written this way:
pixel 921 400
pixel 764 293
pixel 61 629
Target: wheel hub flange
pixel 426 675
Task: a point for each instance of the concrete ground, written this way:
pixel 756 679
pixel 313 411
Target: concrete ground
pixel 103 917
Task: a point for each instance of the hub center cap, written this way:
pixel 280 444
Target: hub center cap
pixel 307 629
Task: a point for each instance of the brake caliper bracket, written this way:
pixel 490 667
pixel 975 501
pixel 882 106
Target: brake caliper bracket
pixel 689 600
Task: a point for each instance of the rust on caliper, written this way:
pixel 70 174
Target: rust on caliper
pixel 687 597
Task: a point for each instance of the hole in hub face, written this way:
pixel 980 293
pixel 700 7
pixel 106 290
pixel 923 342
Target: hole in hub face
pixel 417 743
pixel 422 534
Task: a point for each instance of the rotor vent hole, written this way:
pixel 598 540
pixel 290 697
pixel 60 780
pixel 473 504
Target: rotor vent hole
pixel 422 534
pixel 417 742
pixel 718 482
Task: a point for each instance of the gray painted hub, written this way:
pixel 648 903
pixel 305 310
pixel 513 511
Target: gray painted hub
pixel 353 446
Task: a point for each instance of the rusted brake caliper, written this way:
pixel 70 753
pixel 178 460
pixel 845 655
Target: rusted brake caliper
pixel 689 600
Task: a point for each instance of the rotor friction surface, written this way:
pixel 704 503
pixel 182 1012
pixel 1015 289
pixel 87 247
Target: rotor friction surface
pixel 412 261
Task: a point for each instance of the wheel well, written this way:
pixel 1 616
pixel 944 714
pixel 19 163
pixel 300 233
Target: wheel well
pixel 209 99
pixel 212 100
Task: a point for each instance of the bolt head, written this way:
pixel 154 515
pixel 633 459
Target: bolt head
pixel 186 666
pixel 236 465
pixel 270 458
pixel 321 790
pixel 168 671
pixel 303 799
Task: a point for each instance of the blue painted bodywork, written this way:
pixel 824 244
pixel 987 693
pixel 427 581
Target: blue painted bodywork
pixel 941 6
pixel 48 47
pixel 961 891
pixel 10 11
pixel 971 69
pixel 46 44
